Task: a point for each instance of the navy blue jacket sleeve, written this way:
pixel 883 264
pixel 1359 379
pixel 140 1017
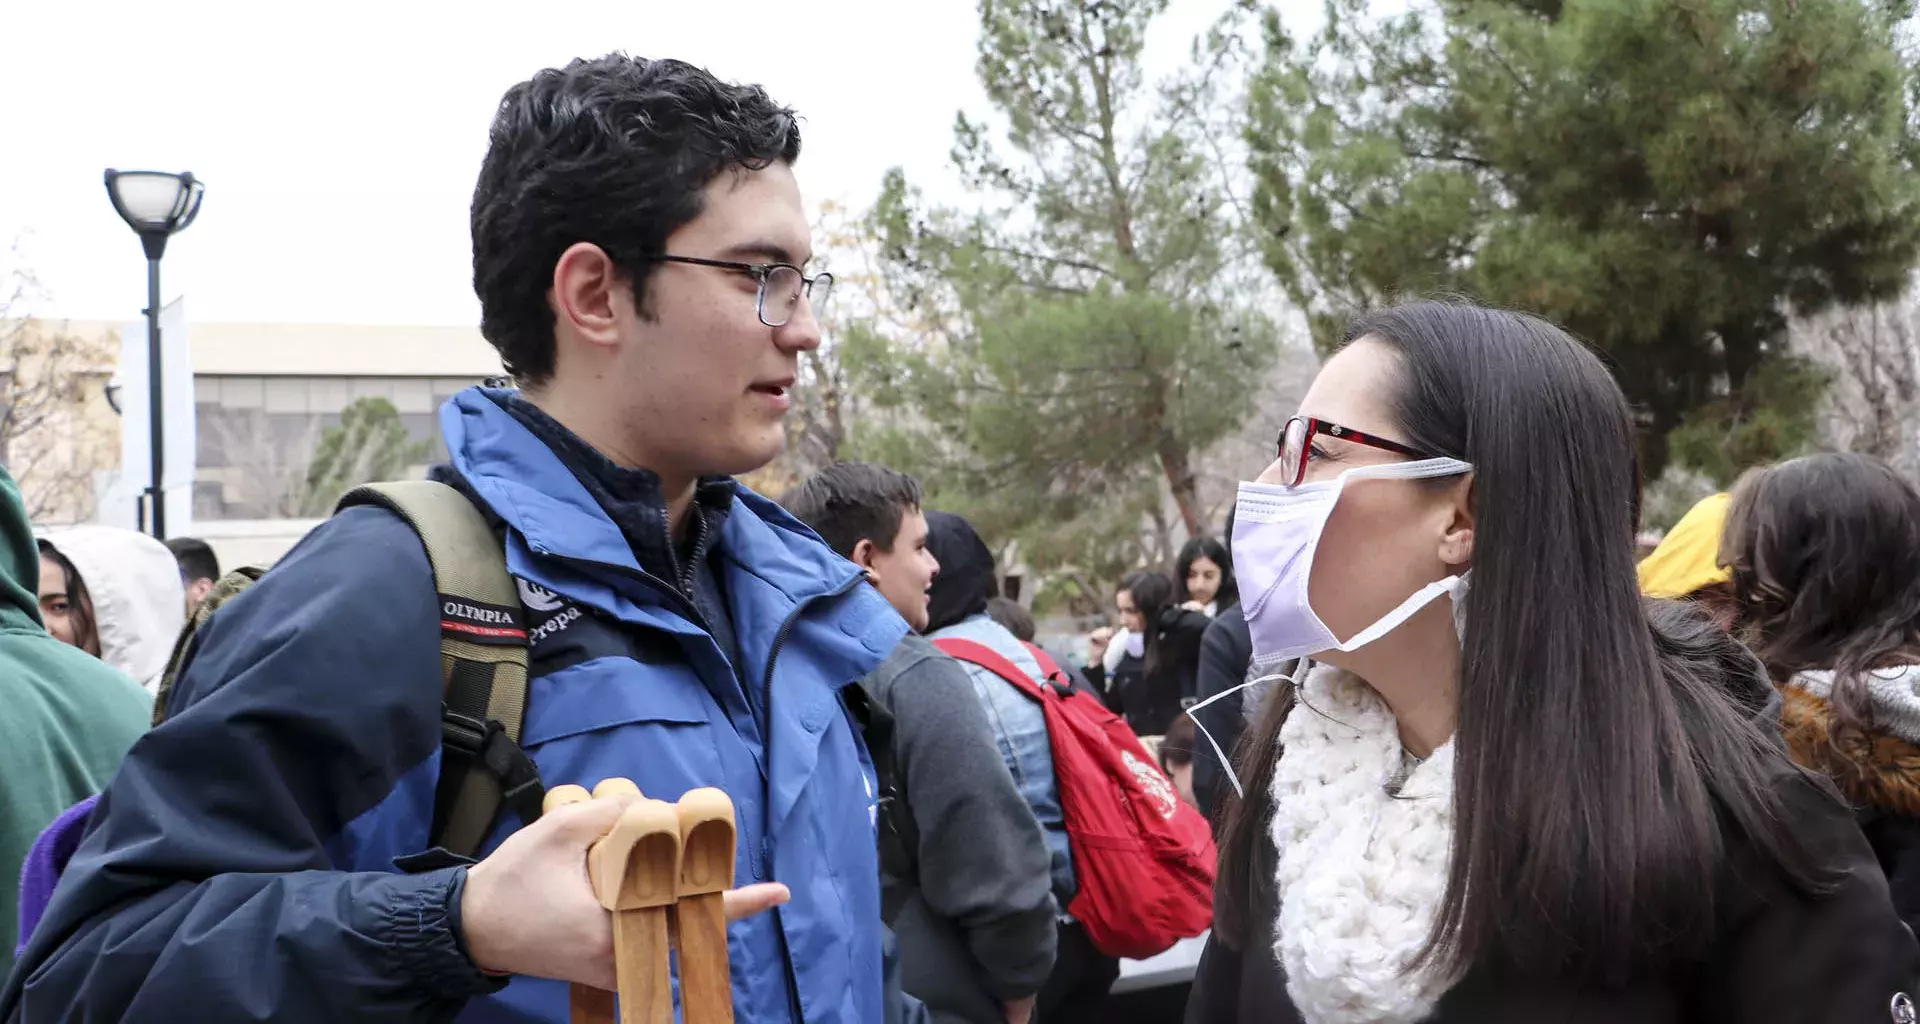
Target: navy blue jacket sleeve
pixel 211 885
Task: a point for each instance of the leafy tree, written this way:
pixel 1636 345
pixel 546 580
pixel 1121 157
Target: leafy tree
pixel 1065 350
pixel 1670 180
pixel 370 444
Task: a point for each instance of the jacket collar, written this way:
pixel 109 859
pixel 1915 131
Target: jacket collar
pixel 633 498
pixel 527 483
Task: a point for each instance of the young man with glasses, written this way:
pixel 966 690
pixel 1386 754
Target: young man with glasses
pixel 638 238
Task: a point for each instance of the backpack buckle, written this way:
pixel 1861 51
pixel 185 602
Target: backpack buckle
pixel 521 790
pixel 463 733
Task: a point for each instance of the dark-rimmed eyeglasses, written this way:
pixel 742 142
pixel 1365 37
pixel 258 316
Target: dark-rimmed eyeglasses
pixel 781 285
pixel 1296 444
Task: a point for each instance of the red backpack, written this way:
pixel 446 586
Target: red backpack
pixel 1144 859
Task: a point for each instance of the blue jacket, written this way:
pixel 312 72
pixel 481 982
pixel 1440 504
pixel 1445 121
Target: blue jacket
pixel 242 863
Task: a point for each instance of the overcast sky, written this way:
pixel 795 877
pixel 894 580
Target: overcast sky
pixel 339 141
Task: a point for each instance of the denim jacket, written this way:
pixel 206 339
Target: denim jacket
pixel 1020 731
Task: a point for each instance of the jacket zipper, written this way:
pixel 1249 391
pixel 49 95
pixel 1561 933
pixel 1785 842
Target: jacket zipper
pixel 766 716
pixel 685 603
pixel 698 552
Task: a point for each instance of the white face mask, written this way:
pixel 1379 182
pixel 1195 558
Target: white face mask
pixel 1276 534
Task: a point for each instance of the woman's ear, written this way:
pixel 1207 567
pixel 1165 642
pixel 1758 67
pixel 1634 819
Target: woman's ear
pixel 1456 540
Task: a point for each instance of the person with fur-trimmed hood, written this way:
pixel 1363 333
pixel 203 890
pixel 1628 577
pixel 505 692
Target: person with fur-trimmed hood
pixel 1824 554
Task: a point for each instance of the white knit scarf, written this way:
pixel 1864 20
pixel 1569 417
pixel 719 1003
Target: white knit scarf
pixel 1361 872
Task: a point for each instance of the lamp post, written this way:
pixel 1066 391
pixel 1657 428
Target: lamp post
pixel 155 205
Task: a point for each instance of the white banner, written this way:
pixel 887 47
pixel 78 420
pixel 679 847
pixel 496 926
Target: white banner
pixel 122 504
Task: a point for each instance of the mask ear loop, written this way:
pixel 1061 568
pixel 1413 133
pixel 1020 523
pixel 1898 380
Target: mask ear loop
pixel 1226 763
pixel 1456 591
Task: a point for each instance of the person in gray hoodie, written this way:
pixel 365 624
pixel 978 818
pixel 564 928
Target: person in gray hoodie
pixel 968 894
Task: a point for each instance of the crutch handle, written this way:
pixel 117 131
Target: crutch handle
pixel 586 1004
pixel 707 840
pixel 700 916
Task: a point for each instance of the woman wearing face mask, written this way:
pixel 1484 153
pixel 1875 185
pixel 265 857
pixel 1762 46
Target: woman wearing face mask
pixel 1203 577
pixel 1825 560
pixel 1532 800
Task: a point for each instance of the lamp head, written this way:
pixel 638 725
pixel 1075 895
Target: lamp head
pixel 155 204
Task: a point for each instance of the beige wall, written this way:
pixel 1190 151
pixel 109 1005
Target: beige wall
pixel 332 350
pixel 414 366
pixel 238 542
pixel 348 350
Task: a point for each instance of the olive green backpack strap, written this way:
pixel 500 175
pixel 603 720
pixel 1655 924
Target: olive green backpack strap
pixel 483 659
pixel 225 589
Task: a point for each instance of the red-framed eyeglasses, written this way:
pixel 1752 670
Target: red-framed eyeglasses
pixel 1296 442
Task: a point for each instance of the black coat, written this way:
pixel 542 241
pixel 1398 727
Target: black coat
pixel 1880 775
pixel 1895 839
pixel 1784 957
pixel 1151 703
pixel 1226 649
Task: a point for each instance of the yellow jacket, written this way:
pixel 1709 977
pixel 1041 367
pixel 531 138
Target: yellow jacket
pixel 1689 558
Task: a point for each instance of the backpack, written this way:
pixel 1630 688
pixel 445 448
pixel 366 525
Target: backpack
pixel 483 657
pixel 1144 860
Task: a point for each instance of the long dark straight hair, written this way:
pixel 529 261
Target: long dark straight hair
pixel 1152 593
pixel 1215 552
pixel 1596 761
pixel 1825 558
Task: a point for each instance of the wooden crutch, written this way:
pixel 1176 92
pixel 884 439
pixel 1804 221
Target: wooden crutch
pixel 700 914
pixel 588 1005
pixel 635 872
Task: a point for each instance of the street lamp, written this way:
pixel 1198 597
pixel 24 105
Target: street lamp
pixel 155 204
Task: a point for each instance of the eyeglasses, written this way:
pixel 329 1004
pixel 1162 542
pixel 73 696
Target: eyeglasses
pixel 1296 443
pixel 781 285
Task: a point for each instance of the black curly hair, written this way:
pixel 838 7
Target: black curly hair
pixel 616 151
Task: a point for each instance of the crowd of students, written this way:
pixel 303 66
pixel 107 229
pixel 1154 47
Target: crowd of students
pixel 1467 762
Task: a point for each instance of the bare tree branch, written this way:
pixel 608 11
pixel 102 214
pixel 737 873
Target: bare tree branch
pixel 1873 353
pixel 54 437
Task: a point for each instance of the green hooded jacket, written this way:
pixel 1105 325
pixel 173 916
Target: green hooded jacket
pixel 68 720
